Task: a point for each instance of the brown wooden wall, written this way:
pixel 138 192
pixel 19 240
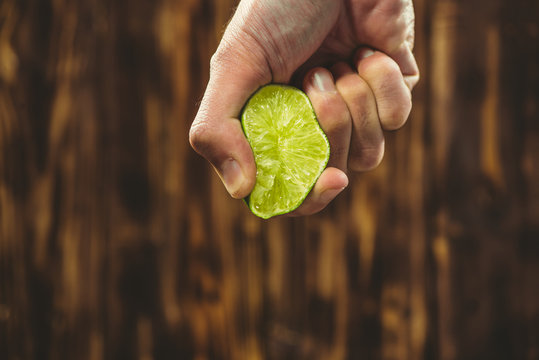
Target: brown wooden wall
pixel 118 242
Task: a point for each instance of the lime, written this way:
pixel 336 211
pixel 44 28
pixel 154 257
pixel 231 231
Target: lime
pixel 289 147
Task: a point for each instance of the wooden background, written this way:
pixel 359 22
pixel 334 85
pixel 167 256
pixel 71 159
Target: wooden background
pixel 118 242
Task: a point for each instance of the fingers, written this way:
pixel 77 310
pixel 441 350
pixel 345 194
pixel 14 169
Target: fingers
pixel 367 144
pixel 330 183
pixel 335 120
pixel 353 107
pixel 393 96
pixel 332 114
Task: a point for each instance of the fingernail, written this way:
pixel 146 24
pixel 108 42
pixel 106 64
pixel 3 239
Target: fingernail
pixel 232 176
pixel 363 53
pixel 322 81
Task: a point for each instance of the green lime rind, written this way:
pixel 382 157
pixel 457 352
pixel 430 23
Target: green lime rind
pixel 290 148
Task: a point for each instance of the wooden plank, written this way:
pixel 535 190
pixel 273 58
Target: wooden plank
pixel 118 241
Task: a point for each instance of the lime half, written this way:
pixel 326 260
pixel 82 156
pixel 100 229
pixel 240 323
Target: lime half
pixel 289 147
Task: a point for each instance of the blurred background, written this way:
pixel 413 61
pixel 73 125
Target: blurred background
pixel 117 241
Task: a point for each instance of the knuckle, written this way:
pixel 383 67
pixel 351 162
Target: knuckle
pixel 395 112
pixel 338 156
pixel 340 127
pixel 355 91
pixel 324 107
pixel 384 68
pixel 393 97
pixel 334 116
pixel 199 136
pixel 366 158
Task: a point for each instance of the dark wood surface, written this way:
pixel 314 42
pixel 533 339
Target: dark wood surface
pixel 118 242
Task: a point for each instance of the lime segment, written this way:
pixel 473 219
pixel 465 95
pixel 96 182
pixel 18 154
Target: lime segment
pixel 289 147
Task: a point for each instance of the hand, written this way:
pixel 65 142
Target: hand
pixel 282 40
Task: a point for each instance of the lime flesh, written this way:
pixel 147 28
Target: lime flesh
pixel 289 147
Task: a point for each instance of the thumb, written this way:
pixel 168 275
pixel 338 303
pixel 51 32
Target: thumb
pixel 236 72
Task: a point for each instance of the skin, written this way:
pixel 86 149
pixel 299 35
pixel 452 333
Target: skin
pixel 354 60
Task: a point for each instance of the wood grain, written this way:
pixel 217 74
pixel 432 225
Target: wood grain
pixel 118 242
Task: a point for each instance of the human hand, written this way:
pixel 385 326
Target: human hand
pixel 281 40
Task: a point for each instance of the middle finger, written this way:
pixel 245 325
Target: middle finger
pixel 367 143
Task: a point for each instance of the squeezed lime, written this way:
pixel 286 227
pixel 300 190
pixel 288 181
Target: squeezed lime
pixel 289 146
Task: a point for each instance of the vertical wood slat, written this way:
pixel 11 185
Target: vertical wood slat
pixel 117 241
pixel 442 59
